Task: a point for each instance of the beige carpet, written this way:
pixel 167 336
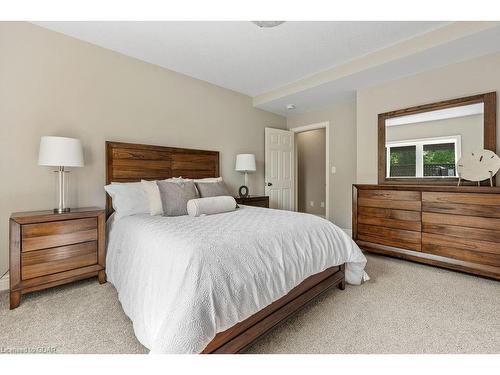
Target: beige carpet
pixel 405 308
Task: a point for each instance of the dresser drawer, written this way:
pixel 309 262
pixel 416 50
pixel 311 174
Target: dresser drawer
pixel 399 195
pixel 469 250
pixel 398 200
pixel 468 238
pixel 390 218
pixel 58 259
pixel 471 204
pixel 58 233
pixel 462 198
pixel 467 227
pixel 404 239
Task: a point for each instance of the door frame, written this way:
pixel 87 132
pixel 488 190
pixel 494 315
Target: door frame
pixel 300 129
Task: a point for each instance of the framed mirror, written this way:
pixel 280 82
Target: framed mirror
pixel 422 144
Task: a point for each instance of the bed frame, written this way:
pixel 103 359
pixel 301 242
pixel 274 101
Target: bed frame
pixel 128 162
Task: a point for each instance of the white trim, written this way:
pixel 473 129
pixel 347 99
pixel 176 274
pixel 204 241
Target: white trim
pixel 4 282
pixel 318 125
pixel 419 145
pixel 300 129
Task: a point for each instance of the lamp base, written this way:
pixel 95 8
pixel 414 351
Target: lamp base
pixel 61 210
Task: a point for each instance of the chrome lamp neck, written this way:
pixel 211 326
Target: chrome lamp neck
pixel 61 208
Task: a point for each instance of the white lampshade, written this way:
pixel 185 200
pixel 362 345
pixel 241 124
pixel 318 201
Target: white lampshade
pixel 60 152
pixel 245 163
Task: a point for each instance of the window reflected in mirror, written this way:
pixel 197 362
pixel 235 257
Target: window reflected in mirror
pixel 429 144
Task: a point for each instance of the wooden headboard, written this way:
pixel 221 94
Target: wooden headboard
pixel 129 162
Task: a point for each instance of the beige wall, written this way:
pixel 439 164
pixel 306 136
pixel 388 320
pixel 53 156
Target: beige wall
pixel 311 164
pixel 467 78
pixel 342 143
pixel 51 84
pixel 470 128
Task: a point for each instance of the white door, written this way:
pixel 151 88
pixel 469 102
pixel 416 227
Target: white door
pixel 280 168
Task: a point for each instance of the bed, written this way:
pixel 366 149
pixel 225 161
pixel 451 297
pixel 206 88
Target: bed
pixel 215 284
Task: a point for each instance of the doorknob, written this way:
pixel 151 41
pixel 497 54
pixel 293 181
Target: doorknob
pixel 269 184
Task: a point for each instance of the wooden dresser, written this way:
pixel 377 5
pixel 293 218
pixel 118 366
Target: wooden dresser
pixel 49 249
pixel 447 226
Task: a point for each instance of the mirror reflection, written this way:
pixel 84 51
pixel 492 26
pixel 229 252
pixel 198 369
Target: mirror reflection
pixel 429 144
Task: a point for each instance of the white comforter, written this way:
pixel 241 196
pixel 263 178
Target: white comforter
pixel 183 279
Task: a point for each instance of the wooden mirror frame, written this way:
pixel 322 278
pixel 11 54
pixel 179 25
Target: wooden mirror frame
pixel 490 120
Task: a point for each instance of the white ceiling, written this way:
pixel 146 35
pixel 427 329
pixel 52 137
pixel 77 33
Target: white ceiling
pixel 239 55
pixel 289 63
pixel 344 88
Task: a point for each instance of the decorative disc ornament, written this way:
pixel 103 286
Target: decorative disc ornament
pixel 243 191
pixel 478 165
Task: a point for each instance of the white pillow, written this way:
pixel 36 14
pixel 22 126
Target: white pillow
pixel 128 198
pixel 153 195
pixel 206 179
pixel 211 205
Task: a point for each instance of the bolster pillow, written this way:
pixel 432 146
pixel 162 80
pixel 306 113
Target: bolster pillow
pixel 210 205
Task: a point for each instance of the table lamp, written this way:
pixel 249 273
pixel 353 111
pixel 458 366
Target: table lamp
pixel 245 163
pixel 60 152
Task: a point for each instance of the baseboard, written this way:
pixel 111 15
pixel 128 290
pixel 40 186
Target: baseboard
pixel 4 282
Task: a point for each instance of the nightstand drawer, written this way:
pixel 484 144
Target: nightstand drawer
pixel 58 233
pixel 256 201
pixel 58 259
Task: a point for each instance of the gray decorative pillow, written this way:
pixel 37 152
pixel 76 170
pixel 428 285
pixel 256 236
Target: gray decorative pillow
pixel 175 195
pixel 212 189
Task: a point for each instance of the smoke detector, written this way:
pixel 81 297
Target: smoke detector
pixel 290 107
pixel 268 24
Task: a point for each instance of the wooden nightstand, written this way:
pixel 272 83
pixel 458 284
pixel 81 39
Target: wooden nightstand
pixel 49 249
pixel 255 200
